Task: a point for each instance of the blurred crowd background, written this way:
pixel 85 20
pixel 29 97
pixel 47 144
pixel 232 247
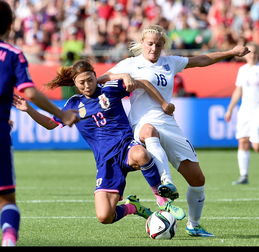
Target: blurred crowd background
pixel 62 31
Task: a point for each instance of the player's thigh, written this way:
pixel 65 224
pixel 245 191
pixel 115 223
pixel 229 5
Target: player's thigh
pixel 7 173
pixel 105 204
pixel 242 126
pixel 176 145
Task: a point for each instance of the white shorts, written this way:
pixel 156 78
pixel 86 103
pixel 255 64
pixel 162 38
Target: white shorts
pixel 177 147
pixel 248 125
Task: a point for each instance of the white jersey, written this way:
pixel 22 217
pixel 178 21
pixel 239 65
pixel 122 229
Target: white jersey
pixel 248 114
pixel 248 80
pixel 161 74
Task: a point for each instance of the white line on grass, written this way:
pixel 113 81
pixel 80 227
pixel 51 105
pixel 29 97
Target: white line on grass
pixel 142 200
pixel 93 217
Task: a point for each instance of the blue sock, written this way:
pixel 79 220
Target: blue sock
pixel 151 174
pixel 120 212
pixel 10 217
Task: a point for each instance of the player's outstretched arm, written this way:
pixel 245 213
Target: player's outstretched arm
pixel 214 57
pixel 68 117
pixel 21 104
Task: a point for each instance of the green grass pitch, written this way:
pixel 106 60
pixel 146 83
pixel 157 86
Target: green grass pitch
pixel 55 197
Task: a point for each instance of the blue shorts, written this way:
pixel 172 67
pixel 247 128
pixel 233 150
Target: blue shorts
pixel 111 174
pixel 7 176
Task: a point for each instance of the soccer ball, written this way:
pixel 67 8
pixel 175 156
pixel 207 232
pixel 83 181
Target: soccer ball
pixel 161 225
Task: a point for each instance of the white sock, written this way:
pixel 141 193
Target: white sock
pixel 195 198
pixel 156 150
pixel 243 158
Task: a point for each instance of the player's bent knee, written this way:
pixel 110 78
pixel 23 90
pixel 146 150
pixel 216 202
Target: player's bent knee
pixel 147 131
pixel 196 180
pixel 104 218
pixel 140 155
pixel 7 199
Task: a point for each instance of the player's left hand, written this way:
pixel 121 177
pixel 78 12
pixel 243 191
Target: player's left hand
pixel 240 50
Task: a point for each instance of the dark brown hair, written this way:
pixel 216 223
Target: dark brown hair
pixel 6 17
pixel 66 75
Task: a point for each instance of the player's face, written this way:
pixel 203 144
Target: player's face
pixel 152 45
pixel 86 83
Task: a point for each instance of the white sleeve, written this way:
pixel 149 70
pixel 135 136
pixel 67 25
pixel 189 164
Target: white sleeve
pixel 122 67
pixel 178 62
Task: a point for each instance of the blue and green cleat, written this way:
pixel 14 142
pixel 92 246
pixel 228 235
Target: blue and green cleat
pixel 168 191
pixel 140 210
pixel 176 211
pixel 198 231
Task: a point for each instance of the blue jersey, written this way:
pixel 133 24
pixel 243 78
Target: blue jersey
pixel 13 73
pixel 104 123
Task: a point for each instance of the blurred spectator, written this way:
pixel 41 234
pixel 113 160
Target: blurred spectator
pixel 83 25
pixel 104 11
pixel 120 50
pixel 254 13
pixel 101 47
pixel 52 53
pixel 72 44
pixel 185 37
pixel 68 91
pixel 119 17
pixel 199 10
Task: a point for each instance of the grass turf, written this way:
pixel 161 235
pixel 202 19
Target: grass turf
pixel 55 197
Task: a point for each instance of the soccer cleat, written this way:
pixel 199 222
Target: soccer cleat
pixel 243 180
pixel 168 191
pixel 176 211
pixel 198 231
pixel 8 238
pixel 140 210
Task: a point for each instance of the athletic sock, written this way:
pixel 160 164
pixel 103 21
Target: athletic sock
pixel 195 198
pixel 151 174
pixel 123 210
pixel 159 200
pixel 243 158
pixel 10 220
pixel 156 150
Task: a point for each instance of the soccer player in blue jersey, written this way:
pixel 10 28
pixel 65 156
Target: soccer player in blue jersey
pixel 14 74
pixel 105 126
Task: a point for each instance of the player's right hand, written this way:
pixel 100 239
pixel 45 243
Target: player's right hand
pixel 20 103
pixel 129 83
pixel 168 108
pixel 227 116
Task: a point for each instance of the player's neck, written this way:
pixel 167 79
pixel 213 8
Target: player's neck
pixel 5 36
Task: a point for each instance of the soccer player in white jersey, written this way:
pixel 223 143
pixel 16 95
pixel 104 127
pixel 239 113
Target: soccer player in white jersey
pixel 160 132
pixel 247 128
